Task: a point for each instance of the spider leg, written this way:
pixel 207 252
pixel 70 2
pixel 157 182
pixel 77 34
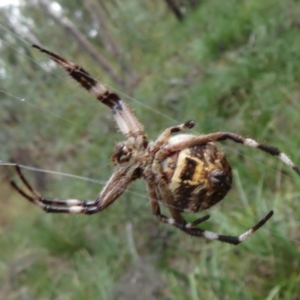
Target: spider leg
pixel 124 117
pixel 112 190
pixel 221 136
pixel 235 240
pixel 180 223
pixel 36 198
pixel 165 135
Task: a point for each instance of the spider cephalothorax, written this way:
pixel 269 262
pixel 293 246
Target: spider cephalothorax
pixel 186 173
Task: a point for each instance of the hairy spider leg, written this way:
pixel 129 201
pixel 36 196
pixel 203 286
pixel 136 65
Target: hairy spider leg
pixel 221 136
pixel 125 119
pixel 235 240
pixel 112 190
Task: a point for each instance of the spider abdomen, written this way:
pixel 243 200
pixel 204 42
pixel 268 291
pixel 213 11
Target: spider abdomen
pixel 198 177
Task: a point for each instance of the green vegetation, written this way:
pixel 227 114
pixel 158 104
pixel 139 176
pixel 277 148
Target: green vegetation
pixel 231 66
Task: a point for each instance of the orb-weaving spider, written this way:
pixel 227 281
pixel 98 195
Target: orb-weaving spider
pixel 187 173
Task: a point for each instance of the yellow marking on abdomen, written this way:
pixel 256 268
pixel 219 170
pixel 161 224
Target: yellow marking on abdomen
pixel 189 169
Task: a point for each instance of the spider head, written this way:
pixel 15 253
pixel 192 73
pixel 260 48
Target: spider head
pixel 121 154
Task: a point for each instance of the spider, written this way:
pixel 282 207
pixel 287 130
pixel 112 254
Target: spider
pixel 184 172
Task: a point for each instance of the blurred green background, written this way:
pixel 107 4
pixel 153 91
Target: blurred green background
pixel 230 65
